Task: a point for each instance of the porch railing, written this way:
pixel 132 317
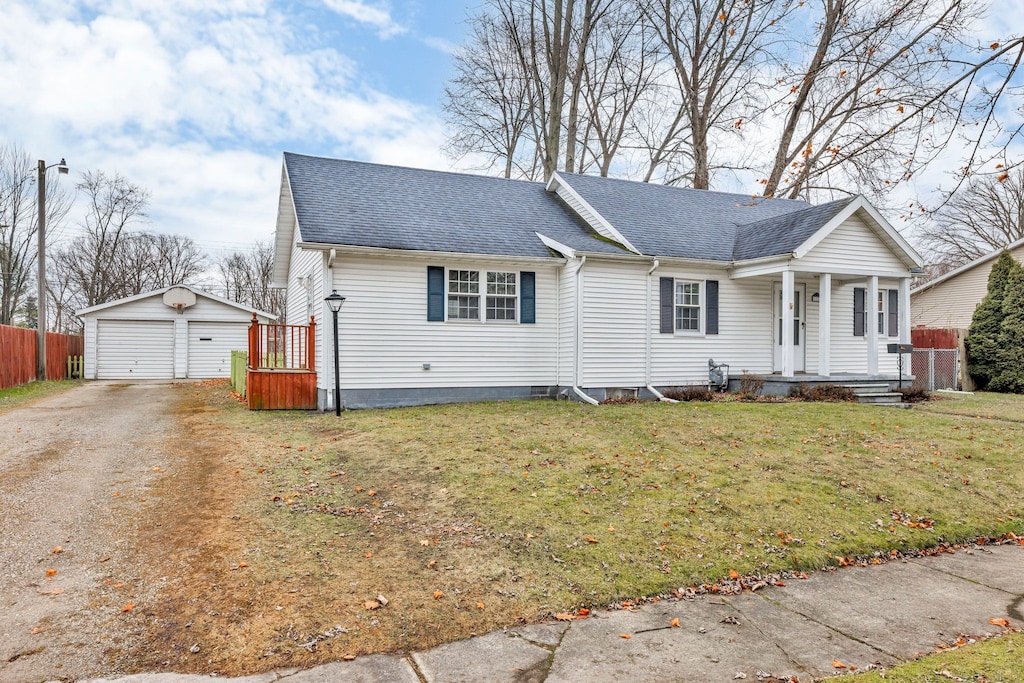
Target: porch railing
pixel 282 347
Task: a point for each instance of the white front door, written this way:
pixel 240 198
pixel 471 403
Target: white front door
pixel 799 311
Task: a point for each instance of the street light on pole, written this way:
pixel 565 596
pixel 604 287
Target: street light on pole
pixel 334 301
pixel 62 168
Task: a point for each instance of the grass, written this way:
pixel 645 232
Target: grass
pixel 18 395
pixel 997 660
pixel 982 405
pixel 471 517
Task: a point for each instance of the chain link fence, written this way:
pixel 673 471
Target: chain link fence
pixel 936 368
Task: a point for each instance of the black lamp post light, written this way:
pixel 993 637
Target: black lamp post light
pixel 334 302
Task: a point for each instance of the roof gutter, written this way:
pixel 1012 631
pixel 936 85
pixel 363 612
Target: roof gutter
pixel 553 261
pixel 649 340
pixel 578 366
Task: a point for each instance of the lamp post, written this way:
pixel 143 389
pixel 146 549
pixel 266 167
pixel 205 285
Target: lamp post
pixel 62 168
pixel 334 301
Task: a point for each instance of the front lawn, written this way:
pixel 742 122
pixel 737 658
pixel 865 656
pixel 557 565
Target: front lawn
pixel 996 660
pixel 467 518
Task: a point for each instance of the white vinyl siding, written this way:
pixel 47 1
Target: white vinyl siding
pixel 849 352
pixel 614 329
pixel 854 247
pixel 385 338
pixel 567 322
pixel 135 349
pixel 210 345
pixel 744 339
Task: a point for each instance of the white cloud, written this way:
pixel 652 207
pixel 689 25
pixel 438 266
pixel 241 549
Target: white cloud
pixel 196 102
pixel 376 16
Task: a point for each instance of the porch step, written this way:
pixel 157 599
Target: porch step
pixel 876 394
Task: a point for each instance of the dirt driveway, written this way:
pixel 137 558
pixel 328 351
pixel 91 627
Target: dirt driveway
pixel 77 472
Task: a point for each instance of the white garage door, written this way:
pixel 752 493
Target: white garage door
pixel 210 346
pixel 134 349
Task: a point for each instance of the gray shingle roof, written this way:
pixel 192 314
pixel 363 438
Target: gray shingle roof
pixel 661 220
pixel 371 205
pixel 783 234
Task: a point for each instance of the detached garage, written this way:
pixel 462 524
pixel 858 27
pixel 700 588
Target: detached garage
pixel 172 333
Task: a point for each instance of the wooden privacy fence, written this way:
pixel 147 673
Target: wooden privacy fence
pixel 281 373
pixel 18 355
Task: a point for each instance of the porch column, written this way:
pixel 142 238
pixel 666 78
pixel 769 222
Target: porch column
pixel 825 324
pixel 788 286
pixel 871 324
pixel 904 313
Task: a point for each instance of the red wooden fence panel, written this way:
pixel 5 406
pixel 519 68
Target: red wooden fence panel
pixel 934 338
pixel 18 355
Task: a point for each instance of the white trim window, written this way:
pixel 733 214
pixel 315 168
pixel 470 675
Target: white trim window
pixel 502 294
pixel 687 306
pixel 463 295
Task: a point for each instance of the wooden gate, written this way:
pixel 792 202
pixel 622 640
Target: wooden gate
pixel 281 373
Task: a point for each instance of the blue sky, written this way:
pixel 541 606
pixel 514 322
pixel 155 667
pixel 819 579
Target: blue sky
pixel 196 100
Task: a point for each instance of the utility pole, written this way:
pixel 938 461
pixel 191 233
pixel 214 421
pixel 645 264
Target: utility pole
pixel 62 168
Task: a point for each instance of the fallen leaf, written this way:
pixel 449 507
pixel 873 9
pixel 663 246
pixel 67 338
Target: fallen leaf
pixel 57 551
pixel 348 658
pixel 565 616
pixel 480 605
pixel 371 604
pixel 55 591
pixel 837 664
pixel 368 554
pixel 675 623
pixel 51 572
pixel 583 613
pixel 438 595
pixel 1004 623
pixel 39 629
pixel 243 565
pixel 591 539
pixel 733 574
pixel 625 635
pixel 424 542
pixel 128 607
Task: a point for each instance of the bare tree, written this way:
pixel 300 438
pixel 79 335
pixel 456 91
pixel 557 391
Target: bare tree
pixel 94 262
pixel 487 103
pixel 246 278
pixel 18 224
pixel 985 215
pixel 720 51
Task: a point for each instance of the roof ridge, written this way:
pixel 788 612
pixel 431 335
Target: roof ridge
pixel 461 174
pixel 677 188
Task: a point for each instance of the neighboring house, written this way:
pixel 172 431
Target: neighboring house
pixel 169 333
pixel 948 302
pixel 463 287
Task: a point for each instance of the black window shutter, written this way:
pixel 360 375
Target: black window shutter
pixel 527 297
pixel 894 313
pixel 711 301
pixel 858 311
pixel 667 304
pixel 435 293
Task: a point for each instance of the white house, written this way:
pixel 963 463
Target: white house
pixel 462 287
pixel 174 332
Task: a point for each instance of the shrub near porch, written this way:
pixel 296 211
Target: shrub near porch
pixel 470 517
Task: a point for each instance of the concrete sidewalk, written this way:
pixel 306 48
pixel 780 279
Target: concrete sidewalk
pixel 860 616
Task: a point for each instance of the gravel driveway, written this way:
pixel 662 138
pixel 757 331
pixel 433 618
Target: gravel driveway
pixel 75 470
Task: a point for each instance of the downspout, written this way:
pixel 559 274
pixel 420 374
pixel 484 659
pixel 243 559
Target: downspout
pixel 578 365
pixel 647 370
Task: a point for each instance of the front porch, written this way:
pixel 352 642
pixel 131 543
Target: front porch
pixel 874 389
